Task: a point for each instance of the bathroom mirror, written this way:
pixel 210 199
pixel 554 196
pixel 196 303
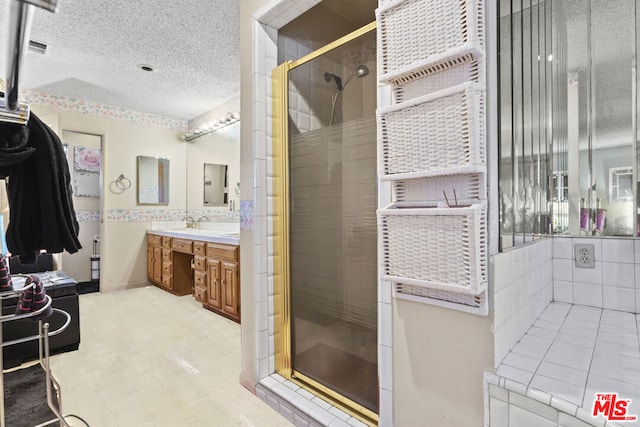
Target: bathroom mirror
pixel 153 181
pixel 569 114
pixel 216 185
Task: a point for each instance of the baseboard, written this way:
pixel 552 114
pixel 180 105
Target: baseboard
pixel 248 384
pixel 133 285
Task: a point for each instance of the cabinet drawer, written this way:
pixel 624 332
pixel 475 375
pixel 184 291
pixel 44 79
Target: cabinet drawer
pixel 200 278
pixel 182 245
pixel 200 294
pixel 166 242
pixel 166 281
pixel 166 255
pixel 199 262
pixel 166 270
pixel 154 240
pixel 222 251
pixel 199 248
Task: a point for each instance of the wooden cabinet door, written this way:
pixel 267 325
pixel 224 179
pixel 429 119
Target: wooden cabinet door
pixel 214 297
pixel 157 265
pixel 230 289
pixel 150 262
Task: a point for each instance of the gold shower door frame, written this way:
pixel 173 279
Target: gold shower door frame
pixel 281 280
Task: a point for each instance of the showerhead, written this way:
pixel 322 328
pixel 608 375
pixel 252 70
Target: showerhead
pixel 362 71
pixel 330 76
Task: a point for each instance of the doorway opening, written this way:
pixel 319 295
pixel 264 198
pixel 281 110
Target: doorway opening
pixel 325 187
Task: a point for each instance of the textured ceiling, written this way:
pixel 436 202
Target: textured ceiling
pixel 94 48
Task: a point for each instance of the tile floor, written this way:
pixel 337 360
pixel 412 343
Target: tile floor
pixel 573 351
pixel 148 358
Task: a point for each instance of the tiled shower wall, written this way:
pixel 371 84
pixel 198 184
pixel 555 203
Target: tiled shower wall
pixel 523 287
pixel 614 283
pixel 310 96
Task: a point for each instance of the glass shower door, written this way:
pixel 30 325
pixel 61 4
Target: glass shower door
pixel 332 221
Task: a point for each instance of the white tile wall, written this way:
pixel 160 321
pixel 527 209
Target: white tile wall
pixel 562 291
pixel 614 283
pixel 587 294
pixel 563 248
pixel 618 250
pixel 523 287
pixel 301 407
pixel 510 409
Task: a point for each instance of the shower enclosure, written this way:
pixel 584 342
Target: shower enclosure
pixel 325 222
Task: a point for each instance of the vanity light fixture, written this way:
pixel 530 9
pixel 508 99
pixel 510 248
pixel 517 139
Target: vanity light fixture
pixel 212 126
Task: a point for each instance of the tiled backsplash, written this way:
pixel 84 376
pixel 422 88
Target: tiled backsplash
pixel 214 215
pixel 523 287
pixel 88 216
pixel 614 283
pixel 150 215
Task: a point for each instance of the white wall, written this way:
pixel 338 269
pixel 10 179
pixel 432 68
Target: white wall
pixel 123 251
pixel 78 265
pixel 439 356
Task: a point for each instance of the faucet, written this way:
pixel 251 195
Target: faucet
pixel 190 222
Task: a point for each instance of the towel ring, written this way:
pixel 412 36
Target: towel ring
pixel 122 182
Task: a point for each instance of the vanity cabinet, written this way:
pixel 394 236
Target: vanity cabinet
pixel 223 280
pixel 169 264
pixel 209 271
pixel 159 261
pixel 214 297
pixel 230 290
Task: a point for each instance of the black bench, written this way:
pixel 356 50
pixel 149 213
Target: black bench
pixel 63 291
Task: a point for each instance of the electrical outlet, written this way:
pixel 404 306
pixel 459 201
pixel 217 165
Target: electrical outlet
pixel 584 256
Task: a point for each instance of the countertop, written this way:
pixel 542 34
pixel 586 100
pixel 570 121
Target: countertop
pixel 201 234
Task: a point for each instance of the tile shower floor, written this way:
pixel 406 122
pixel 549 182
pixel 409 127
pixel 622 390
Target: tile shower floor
pixel 148 358
pixel 572 352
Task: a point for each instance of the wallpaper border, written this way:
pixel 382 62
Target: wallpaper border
pixel 106 111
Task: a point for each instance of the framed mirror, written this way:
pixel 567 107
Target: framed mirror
pixel 153 181
pixel 216 185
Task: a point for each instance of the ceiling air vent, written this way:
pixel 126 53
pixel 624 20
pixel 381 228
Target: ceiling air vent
pixel 37 47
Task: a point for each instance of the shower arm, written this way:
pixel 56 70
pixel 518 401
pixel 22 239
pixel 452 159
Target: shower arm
pixel 344 83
